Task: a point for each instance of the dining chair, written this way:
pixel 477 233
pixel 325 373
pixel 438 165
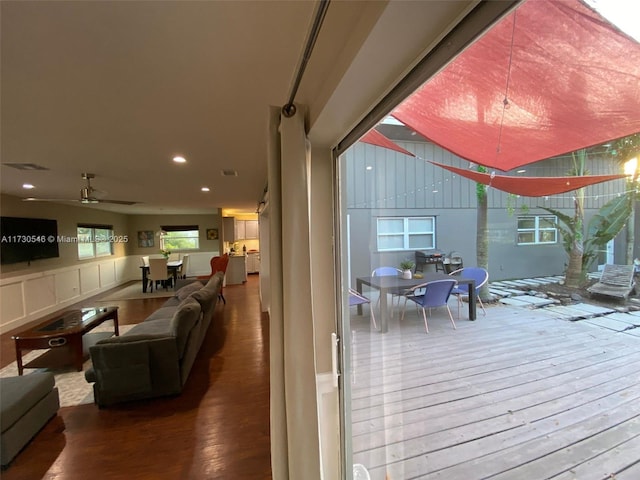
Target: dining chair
pixel 479 275
pixel 184 268
pixel 145 260
pixel 158 272
pixel 431 295
pixel 356 298
pixel 391 272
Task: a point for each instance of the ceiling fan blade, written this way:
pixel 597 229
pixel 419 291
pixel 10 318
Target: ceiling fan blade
pixel 88 195
pixel 32 199
pixel 117 202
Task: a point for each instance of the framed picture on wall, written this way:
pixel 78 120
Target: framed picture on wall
pixel 212 234
pixel 145 238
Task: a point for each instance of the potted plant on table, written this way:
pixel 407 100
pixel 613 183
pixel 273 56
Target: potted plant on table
pixel 406 266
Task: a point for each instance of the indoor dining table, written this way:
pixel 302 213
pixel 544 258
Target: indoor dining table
pixel 173 266
pixel 393 284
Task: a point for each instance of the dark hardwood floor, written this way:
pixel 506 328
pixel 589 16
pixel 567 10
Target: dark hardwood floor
pixel 218 428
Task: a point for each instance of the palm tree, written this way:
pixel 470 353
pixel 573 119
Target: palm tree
pixel 574 276
pixel 624 150
pixel 482 234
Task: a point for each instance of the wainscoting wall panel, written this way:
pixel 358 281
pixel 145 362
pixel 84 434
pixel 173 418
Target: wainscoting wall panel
pixel 90 278
pixel 67 285
pixel 33 295
pixel 11 301
pixel 39 293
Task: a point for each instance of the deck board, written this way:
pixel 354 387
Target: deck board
pixel 515 394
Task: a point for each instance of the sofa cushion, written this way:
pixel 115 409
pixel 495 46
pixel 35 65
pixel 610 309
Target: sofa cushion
pixel 122 368
pixel 163 313
pixel 188 289
pixel 161 327
pixel 207 300
pixel 183 321
pixel 172 302
pixel 19 394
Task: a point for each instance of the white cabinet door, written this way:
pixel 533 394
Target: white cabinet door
pixel 251 229
pixel 253 263
pixel 240 230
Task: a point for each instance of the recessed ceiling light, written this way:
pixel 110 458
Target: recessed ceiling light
pixel 205 189
pixel 521 171
pixel 28 186
pixel 179 159
pixel 369 167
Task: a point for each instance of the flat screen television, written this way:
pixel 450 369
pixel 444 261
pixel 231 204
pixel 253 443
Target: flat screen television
pixel 27 239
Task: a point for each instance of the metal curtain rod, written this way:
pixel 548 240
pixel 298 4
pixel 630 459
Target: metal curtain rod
pixel 289 110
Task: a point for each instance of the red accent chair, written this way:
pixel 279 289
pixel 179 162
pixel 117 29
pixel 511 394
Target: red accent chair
pixel 218 264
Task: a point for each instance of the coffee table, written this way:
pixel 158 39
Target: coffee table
pixel 65 336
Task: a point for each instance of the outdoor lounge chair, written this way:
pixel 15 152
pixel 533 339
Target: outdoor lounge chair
pixel 615 281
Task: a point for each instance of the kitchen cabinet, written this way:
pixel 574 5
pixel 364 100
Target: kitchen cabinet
pixel 236 230
pixel 236 270
pixel 253 262
pixel 229 229
pixel 240 230
pixel 251 229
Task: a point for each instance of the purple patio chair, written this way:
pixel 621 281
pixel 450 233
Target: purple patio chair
pixel 431 295
pixel 479 274
pixel 356 298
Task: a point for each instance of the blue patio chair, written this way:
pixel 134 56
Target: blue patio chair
pixel 392 272
pixel 431 295
pixel 479 274
pixel 356 298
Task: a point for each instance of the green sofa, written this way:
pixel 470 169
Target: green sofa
pixel 155 357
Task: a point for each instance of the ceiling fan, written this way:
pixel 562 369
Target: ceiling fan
pixel 88 195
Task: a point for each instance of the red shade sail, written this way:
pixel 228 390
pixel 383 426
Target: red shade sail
pixel 531 186
pixel 374 137
pixel 550 78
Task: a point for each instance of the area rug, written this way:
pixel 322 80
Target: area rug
pixel 133 291
pixel 73 389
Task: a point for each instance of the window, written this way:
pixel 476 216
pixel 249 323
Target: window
pixel 406 233
pixel 95 241
pixel 536 230
pixel 180 237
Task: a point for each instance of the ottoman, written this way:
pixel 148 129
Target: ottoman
pixel 27 403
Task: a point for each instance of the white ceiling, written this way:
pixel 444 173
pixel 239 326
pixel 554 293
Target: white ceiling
pixel 118 88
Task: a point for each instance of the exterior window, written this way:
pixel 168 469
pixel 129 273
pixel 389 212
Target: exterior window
pixel 173 240
pixel 406 233
pixel 94 241
pixel 536 230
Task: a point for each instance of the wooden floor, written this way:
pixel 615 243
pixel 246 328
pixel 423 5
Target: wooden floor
pixel 218 428
pixel 514 395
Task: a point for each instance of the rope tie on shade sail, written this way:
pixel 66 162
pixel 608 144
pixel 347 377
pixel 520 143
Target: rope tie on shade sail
pixel 289 109
pixel 505 103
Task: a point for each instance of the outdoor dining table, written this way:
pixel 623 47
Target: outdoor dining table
pixel 173 266
pixel 393 284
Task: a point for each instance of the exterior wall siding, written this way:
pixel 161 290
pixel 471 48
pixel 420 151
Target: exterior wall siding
pixel 382 182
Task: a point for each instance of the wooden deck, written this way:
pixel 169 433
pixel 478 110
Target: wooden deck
pixel 515 395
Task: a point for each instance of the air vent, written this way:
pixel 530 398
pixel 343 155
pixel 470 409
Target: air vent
pixel 229 173
pixel 25 166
